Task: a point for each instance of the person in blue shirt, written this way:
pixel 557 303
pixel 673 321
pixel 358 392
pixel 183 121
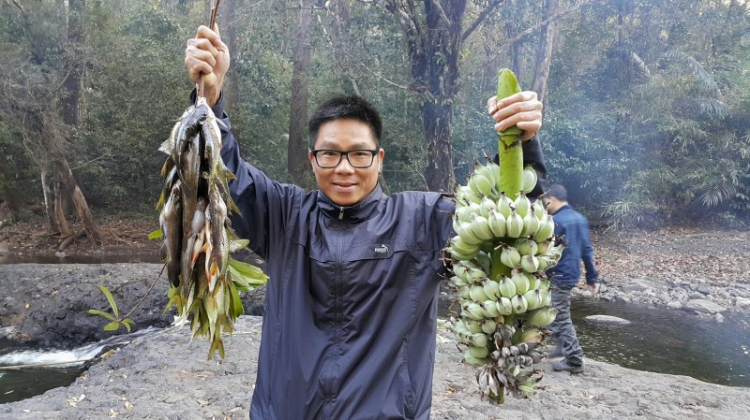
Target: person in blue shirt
pixel 573 228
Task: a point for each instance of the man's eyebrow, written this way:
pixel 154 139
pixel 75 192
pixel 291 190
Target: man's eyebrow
pixel 327 145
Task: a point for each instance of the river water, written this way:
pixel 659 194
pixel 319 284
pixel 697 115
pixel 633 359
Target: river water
pixel 666 341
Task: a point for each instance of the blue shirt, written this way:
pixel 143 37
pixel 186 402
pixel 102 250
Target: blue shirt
pixel 573 228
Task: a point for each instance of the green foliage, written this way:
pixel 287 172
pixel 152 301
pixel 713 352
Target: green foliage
pixel 114 317
pixel 647 117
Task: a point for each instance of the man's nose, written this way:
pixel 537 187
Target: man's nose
pixel 344 165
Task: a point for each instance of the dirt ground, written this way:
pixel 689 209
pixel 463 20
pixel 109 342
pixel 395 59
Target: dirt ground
pixel 723 257
pixel 120 235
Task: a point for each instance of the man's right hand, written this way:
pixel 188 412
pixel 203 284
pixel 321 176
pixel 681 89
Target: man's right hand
pixel 206 54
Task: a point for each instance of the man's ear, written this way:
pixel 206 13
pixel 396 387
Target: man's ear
pixel 312 158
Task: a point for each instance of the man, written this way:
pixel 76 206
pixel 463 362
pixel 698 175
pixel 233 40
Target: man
pixel 574 229
pixel 351 304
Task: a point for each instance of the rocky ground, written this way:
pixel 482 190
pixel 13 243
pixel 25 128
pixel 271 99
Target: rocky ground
pixel 149 380
pixel 704 273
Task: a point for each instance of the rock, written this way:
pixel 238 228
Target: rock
pixel 636 286
pixel 697 295
pixel 4 248
pixel 704 306
pixel 674 305
pixel 742 303
pixel 607 319
pixel 704 290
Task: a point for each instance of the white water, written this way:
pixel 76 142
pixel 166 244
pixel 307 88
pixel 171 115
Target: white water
pixel 68 358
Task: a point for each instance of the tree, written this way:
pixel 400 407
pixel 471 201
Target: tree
pixel 296 156
pixel 434 38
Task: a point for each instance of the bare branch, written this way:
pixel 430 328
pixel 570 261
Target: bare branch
pixel 441 11
pixel 482 16
pixel 528 32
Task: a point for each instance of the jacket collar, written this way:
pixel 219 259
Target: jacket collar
pixel 357 212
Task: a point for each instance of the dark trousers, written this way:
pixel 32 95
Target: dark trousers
pixel 562 327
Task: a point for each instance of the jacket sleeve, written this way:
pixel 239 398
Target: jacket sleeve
pixel 534 156
pixel 587 255
pixel 264 204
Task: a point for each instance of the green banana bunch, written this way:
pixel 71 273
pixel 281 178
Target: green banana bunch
pixel 502 246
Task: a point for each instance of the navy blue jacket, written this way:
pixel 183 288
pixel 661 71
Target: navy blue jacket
pixel 575 229
pixel 351 303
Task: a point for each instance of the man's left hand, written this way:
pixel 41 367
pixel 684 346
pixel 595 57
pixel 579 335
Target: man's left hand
pixel 522 109
pixel 593 288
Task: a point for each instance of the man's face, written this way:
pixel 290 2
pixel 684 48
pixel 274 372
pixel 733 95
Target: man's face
pixel 551 204
pixel 345 184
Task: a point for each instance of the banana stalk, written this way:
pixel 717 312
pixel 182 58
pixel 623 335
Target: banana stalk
pixel 509 142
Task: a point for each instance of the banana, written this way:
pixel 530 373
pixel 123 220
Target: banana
pixel 477 294
pixel 461 246
pixel 534 299
pixel 546 229
pixel 526 246
pixel 497 224
pixel 507 288
pixel 480 227
pixel 521 282
pixel 510 257
pixel 463 230
pixel 504 205
pixel 513 224
pixel 486 206
pixel 491 289
pixel 489 326
pixel 504 306
pixel 529 179
pixel 481 186
pixel 530 223
pixel 522 205
pixel 530 263
pixel 519 304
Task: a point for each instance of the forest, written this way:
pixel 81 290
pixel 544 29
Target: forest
pixel 646 118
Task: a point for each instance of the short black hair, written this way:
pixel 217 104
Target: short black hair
pixel 345 107
pixel 557 191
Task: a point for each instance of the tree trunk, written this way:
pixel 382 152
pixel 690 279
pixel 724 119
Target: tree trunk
pixel 49 203
pixel 296 151
pixel 10 195
pixel 516 53
pixel 342 41
pixel 229 35
pixel 434 46
pixel 70 186
pixel 70 101
pixel 544 51
pixel 61 223
pixel 437 120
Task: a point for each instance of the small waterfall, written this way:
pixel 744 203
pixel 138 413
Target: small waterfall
pixel 68 358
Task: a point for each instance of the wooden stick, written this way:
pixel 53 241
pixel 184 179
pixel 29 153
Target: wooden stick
pixel 212 22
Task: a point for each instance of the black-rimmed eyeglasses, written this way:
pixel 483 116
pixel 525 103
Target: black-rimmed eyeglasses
pixel 332 158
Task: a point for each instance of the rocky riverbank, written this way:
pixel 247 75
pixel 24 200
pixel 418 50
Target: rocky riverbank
pixel 165 376
pixel 703 272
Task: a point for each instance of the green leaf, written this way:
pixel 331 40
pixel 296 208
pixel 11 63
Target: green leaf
pixel 155 234
pixel 128 323
pixel 112 326
pixel 111 300
pixel 237 244
pixel 245 276
pixel 101 313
